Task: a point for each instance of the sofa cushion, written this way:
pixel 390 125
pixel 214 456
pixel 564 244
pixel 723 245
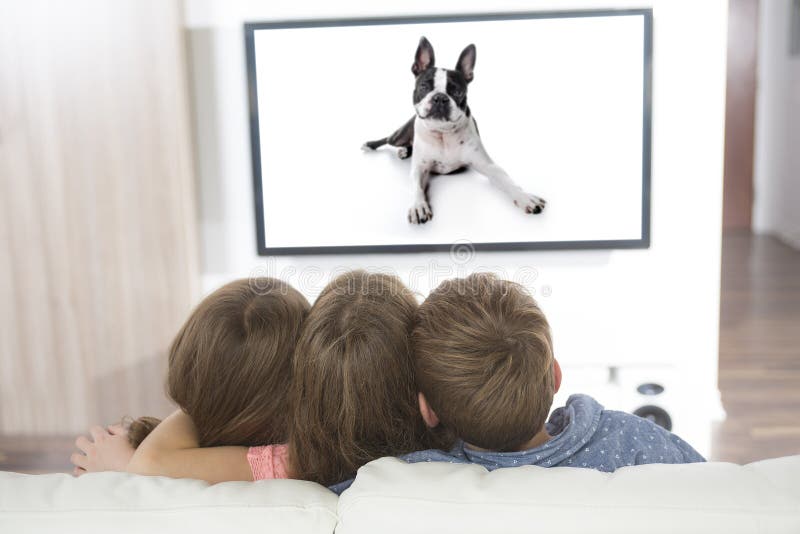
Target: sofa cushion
pixel 123 503
pixel 390 496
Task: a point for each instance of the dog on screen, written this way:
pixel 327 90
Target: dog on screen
pixel 442 137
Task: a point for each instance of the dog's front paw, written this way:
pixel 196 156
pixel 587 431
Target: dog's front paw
pixel 366 148
pixel 403 152
pixel 529 203
pixel 420 213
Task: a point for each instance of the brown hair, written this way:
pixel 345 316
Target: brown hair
pixel 354 396
pixel 230 364
pixel 483 358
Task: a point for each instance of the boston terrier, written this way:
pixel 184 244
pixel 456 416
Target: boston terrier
pixel 442 137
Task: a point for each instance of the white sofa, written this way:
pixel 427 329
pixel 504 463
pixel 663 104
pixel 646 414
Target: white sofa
pixel 390 496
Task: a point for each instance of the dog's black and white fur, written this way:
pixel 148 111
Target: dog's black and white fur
pixel 443 136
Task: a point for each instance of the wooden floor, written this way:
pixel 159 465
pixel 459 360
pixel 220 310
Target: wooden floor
pixel 759 362
pixel 759 350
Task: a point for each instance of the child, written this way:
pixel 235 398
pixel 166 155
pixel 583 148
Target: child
pixel 353 397
pixel 229 368
pixel 484 363
pixel 483 359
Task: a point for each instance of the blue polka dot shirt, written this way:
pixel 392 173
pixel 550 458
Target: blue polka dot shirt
pixel 585 435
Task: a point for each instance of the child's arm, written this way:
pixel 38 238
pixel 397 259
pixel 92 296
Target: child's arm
pixel 172 450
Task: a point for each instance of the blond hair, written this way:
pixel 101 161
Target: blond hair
pixel 483 357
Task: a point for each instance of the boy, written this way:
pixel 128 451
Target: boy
pixel 484 365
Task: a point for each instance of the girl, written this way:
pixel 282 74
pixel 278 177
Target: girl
pixel 353 397
pixel 229 368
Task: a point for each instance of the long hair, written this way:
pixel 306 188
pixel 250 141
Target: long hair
pixel 354 398
pixel 230 364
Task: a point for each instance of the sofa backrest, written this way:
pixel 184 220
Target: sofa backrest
pixel 120 503
pixel 390 497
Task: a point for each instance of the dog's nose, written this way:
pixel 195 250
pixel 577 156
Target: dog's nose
pixel 439 98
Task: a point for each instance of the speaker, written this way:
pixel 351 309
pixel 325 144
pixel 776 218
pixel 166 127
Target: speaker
pixel 656 414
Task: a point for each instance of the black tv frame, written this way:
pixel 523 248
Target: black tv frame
pixel 647 105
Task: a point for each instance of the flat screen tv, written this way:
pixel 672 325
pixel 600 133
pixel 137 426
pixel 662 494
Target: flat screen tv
pixel 507 131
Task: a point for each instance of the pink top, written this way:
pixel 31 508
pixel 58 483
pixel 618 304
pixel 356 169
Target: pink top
pixel 268 461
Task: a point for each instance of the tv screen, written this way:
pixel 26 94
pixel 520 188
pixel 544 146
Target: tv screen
pixel 505 131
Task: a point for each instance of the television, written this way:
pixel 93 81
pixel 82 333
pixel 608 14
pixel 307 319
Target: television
pixel 560 101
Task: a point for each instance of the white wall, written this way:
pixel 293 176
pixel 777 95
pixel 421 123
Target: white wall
pixel 777 142
pixel 633 308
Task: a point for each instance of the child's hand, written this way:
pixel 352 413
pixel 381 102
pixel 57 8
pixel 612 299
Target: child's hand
pixel 108 450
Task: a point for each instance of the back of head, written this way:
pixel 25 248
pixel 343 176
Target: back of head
pixel 483 358
pixel 354 394
pixel 230 364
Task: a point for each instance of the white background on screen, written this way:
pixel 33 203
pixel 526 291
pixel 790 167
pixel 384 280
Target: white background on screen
pixel 558 103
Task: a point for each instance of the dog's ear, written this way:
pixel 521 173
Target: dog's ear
pixel 466 62
pixel 423 58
